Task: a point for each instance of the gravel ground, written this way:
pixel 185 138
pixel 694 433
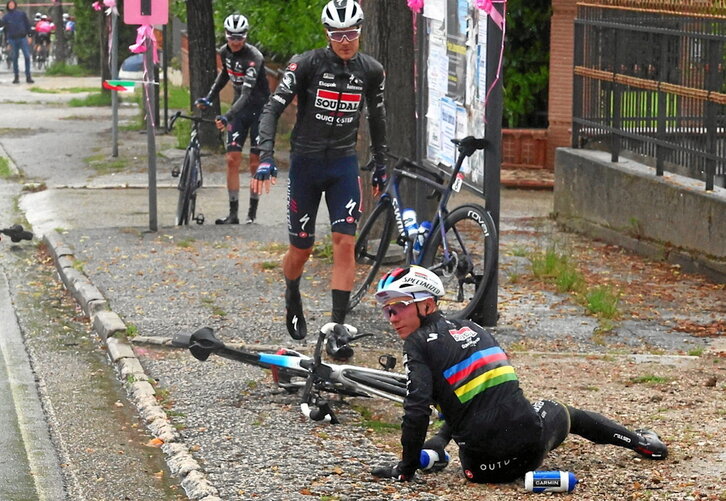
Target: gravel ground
pixel 253 443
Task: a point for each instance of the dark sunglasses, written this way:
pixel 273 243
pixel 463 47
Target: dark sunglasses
pixel 236 37
pixel 339 36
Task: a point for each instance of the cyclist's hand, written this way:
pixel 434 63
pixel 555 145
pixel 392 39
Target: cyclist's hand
pixel 379 178
pixel 203 103
pixel 221 122
pixel 435 445
pixel 265 176
pixel 391 471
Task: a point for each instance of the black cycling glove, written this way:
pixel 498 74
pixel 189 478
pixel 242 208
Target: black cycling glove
pixel 391 471
pixel 379 178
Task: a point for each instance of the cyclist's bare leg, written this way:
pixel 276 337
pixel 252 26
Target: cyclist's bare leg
pixel 341 282
pixel 292 267
pixel 234 160
pixel 254 197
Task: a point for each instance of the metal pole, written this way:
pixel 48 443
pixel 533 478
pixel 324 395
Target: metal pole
pixel 150 138
pixel 166 76
pixel 114 76
pixel 486 312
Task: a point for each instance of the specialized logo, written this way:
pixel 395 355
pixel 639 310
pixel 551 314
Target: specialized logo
pixel 303 221
pixel 433 336
pixel 350 206
pixel 334 101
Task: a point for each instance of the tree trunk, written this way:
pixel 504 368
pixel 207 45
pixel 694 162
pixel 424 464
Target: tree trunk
pixel 61 52
pixel 388 36
pixel 202 62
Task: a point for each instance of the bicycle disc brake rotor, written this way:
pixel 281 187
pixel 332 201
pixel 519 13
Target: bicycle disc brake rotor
pixel 450 265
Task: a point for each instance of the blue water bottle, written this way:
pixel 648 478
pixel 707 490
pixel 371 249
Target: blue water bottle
pixel 549 481
pixel 429 459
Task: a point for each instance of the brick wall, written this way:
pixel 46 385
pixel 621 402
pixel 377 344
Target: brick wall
pixel 562 40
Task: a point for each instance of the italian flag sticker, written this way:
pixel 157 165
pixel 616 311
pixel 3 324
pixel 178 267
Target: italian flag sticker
pixel 119 84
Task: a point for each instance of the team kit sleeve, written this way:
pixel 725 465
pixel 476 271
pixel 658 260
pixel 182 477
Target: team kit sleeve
pixel 220 81
pixel 279 100
pixel 377 115
pixel 416 406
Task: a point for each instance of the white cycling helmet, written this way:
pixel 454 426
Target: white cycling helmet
pixel 342 14
pixel 414 282
pixel 236 24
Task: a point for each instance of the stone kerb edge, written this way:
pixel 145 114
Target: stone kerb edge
pixel 107 324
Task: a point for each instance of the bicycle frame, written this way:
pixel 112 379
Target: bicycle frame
pixel 393 194
pixel 313 374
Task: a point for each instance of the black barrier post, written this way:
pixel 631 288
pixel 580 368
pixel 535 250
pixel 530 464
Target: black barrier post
pixel 487 313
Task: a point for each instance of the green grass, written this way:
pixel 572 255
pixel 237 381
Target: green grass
pixel 696 352
pixel 69 90
pixel 556 267
pixel 552 266
pixel 67 70
pixel 270 265
pixel 5 171
pixel 603 301
pixel 324 249
pixel 185 244
pixel 370 422
pixel 98 99
pixel 132 330
pixel 649 379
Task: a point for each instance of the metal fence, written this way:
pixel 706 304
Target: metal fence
pixel 650 83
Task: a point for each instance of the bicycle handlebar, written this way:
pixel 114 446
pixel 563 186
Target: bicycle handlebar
pixel 179 114
pixel 17 233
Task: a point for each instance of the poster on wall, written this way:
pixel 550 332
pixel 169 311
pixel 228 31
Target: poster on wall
pixel 456 81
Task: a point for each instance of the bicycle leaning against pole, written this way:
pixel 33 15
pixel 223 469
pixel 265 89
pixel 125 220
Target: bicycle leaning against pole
pixel 459 246
pixel 189 174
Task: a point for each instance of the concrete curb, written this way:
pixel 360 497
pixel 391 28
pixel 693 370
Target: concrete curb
pixel 111 328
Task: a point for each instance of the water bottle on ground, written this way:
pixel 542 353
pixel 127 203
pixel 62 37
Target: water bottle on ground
pixel 549 481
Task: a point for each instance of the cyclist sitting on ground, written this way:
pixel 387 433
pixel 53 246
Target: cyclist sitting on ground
pixel 330 84
pixel 459 367
pixel 244 66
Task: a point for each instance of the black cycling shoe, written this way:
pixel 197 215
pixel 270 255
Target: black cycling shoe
pixel 231 219
pixel 296 325
pixel 650 445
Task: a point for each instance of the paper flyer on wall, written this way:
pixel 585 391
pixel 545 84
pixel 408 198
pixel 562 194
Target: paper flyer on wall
pixel 435 9
pixel 448 130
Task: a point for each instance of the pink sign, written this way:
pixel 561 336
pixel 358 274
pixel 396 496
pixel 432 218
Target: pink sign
pixel 146 11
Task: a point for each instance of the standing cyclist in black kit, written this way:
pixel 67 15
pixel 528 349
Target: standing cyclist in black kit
pixel 459 367
pixel 244 66
pixel 331 85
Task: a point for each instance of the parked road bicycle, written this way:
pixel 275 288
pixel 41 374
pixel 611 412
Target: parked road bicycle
pixel 294 371
pixel 189 173
pixel 459 247
pixel 16 233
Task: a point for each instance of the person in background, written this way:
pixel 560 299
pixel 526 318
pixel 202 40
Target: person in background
pixel 331 85
pixel 459 367
pixel 244 66
pixel 17 30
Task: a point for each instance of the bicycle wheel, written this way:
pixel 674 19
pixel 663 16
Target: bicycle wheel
pixel 471 239
pixel 187 185
pixel 371 247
